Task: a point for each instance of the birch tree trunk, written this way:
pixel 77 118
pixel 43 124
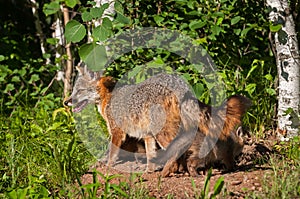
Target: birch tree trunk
pixel 37 23
pixel 288 66
pixel 109 11
pixel 61 20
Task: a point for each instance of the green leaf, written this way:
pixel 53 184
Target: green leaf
pixel 245 31
pixel 216 30
pixel 34 78
pixel 59 110
pixel 218 187
pixel 93 55
pixel 198 89
pixel 250 88
pixel 54 126
pixel 74 31
pixel 237 31
pixel 97 12
pixel 275 28
pixel 71 3
pixel 35 129
pixel 86 16
pixel 158 19
pixel 218 14
pixel 102 32
pixel 271 91
pixel 253 67
pixel 51 8
pixel 119 190
pixel 22 72
pixel 2 57
pixel 137 69
pixel 269 77
pixel 9 87
pixel 235 20
pixel 219 21
pixel 120 16
pixel 52 41
pixel 197 24
pixel 15 79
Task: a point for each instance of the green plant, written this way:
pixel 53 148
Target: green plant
pixel 282 181
pixel 290 150
pixel 205 192
pixel 43 152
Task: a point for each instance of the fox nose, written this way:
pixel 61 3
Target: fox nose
pixel 66 102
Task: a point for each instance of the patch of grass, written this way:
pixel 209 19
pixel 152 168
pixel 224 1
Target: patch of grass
pixel 40 152
pixel 284 180
pixel 106 188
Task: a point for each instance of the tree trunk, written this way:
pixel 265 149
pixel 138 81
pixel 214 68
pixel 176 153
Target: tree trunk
pixel 69 64
pixel 37 22
pixel 287 61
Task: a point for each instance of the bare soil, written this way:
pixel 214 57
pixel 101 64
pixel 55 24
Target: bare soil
pixel 248 176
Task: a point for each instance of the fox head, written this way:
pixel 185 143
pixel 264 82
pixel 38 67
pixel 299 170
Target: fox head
pixel 238 141
pixel 84 90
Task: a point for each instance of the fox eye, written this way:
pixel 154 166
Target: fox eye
pixel 80 90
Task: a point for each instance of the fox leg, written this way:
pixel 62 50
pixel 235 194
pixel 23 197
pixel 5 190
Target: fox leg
pixel 118 136
pixel 150 145
pixel 228 161
pixel 170 167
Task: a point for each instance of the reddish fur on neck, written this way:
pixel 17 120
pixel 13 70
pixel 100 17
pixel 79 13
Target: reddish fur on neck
pixel 104 88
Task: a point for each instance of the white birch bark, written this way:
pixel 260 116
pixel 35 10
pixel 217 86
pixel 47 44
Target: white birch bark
pixel 37 22
pixel 108 12
pixel 59 35
pixel 288 66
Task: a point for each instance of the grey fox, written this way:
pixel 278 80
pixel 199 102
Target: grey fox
pixel 227 147
pixel 159 110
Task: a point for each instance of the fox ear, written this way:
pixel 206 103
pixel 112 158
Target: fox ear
pixel 239 131
pixel 83 70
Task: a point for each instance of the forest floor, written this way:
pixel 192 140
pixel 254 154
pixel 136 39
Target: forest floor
pixel 248 176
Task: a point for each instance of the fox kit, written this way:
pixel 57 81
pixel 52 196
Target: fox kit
pixel 228 145
pixel 157 110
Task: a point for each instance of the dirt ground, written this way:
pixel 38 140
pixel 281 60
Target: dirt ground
pixel 247 176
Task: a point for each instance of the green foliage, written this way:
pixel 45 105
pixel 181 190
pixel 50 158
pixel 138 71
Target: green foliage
pixel 51 8
pixel 110 190
pixel 40 151
pixel 283 181
pixel 290 150
pixel 24 77
pixel 205 192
